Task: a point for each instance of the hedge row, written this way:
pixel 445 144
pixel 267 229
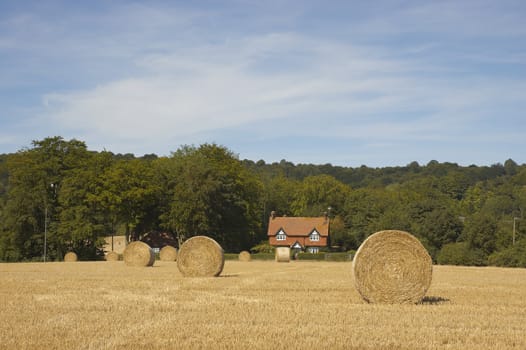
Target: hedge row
pixel 325 256
pixel 300 256
pixel 258 256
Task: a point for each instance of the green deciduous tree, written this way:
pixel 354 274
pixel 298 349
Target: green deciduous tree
pixel 35 178
pixel 279 196
pixel 83 218
pixel 208 190
pixel 130 196
pixel 461 253
pixel 316 194
pixel 480 232
pixel 340 236
pixel 513 256
pixel 214 195
pixel 363 210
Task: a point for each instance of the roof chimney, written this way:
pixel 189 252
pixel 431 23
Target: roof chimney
pixel 273 214
pixel 327 213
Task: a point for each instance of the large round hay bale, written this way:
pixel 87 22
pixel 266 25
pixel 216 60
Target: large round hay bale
pixel 200 256
pixel 112 256
pixel 70 257
pixel 283 254
pixel 168 253
pixel 138 254
pixel 392 267
pixel 244 256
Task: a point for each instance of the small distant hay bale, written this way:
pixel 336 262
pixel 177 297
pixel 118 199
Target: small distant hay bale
pixel 112 256
pixel 283 254
pixel 70 257
pixel 200 256
pixel 392 267
pixel 168 253
pixel 138 254
pixel 244 256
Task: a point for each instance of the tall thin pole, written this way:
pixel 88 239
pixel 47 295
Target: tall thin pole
pixel 514 227
pixel 112 234
pixel 513 231
pixel 45 233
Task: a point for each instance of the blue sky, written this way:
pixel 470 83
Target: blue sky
pixel 378 83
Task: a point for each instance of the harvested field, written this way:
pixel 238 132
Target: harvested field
pixel 96 305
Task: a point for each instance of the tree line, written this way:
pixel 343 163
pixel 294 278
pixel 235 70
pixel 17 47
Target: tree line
pixel 59 193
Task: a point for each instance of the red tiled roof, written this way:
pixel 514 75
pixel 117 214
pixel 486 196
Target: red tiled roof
pixel 298 226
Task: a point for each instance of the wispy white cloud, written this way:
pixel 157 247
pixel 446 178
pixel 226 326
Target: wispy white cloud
pixel 361 92
pixel 212 88
pixel 146 78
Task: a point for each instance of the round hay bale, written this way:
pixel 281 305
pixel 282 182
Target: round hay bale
pixel 138 254
pixel 283 254
pixel 244 256
pixel 392 267
pixel 200 256
pixel 70 257
pixel 112 256
pixel 168 253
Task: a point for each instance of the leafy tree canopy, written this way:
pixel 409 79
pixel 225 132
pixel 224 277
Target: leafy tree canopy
pixel 59 192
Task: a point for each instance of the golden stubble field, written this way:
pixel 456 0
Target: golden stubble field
pixel 252 305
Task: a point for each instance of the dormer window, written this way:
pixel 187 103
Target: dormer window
pixel 281 235
pixel 314 236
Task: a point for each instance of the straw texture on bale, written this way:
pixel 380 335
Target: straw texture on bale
pixel 138 254
pixel 244 256
pixel 70 257
pixel 112 256
pixel 200 256
pixel 168 253
pixel 392 267
pixel 283 254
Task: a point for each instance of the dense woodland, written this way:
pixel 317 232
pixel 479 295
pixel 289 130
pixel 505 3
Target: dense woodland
pixel 60 190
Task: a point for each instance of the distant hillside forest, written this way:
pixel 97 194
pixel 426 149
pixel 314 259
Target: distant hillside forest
pixel 59 190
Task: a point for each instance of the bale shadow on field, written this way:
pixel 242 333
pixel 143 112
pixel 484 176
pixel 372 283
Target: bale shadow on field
pixel 229 275
pixel 434 300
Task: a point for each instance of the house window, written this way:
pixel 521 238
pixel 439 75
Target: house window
pixel 281 236
pixel 314 236
pixel 314 250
